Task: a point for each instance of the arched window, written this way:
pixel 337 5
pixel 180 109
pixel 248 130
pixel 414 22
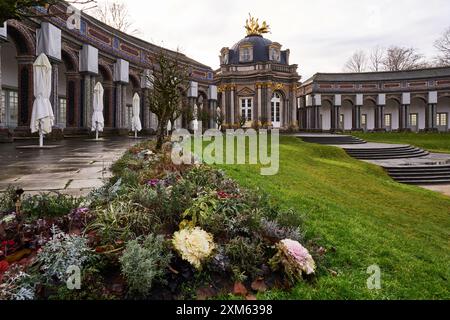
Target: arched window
pixel 276 109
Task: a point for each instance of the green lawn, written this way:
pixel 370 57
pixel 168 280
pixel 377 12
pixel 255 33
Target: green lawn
pixel 363 218
pixel 435 142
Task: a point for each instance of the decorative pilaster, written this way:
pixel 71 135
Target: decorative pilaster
pixel 88 95
pixel 430 118
pixel 431 112
pixel 146 111
pixel 379 112
pixel 260 115
pixel 118 106
pixel 356 118
pixel 232 105
pixel 335 112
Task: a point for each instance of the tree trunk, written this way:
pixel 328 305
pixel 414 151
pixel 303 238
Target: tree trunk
pixel 160 134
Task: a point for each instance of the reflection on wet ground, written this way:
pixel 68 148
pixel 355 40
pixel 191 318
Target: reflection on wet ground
pixel 75 168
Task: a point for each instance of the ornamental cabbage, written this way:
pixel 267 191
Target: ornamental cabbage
pixel 194 245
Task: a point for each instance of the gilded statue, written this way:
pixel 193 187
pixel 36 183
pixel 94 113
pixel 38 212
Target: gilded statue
pixel 254 29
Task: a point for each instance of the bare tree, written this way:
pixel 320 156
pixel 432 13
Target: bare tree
pixel 116 15
pixel 357 62
pixel 376 59
pixel 165 99
pixel 400 58
pixel 443 46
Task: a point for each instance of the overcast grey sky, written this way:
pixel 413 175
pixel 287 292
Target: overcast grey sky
pixel 321 34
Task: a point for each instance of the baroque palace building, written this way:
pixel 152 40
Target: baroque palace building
pixel 255 86
pixel 256 82
pixel 82 54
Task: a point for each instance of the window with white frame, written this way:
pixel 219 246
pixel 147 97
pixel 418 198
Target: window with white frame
pixel 246 108
pixel 246 54
pixel 413 119
pixel 62 111
pixel 388 120
pixel 276 105
pixel 442 120
pixel 10 108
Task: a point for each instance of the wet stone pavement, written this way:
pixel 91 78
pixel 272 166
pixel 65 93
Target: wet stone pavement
pixel 74 168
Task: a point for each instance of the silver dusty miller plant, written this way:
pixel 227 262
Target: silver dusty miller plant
pixel 62 252
pixel 16 285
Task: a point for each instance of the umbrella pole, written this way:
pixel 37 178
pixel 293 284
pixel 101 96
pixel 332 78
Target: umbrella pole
pixel 41 136
pixel 96 130
pixel 135 134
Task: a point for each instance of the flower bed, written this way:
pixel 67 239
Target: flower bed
pixel 154 231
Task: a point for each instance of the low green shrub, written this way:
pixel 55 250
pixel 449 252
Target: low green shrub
pixel 144 262
pixel 48 205
pixel 122 220
pixel 246 257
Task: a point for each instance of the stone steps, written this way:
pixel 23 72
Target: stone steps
pixel 403 152
pixel 439 174
pixel 333 140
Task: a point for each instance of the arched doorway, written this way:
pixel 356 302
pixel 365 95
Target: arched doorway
pixel 391 115
pixel 417 114
pixel 346 115
pixel 368 115
pixel 276 104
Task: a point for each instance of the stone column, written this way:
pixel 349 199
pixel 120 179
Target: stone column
pixel 294 109
pixel 356 118
pixel 212 113
pixel 232 107
pixel 223 106
pixel 118 106
pixel 403 115
pixel 124 120
pixel 108 105
pixel 379 118
pixel 146 111
pixel 260 115
pixel 54 99
pixel 88 90
pixel 430 118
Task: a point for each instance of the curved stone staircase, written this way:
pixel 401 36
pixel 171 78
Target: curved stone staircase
pixel 332 140
pixel 400 152
pixel 421 169
pixel 430 174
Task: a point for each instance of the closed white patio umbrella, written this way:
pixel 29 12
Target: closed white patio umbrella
pixel 136 125
pixel 42 117
pixel 98 121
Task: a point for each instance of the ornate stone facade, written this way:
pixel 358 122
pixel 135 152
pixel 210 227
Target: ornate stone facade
pixel 72 88
pixel 256 83
pixel 416 100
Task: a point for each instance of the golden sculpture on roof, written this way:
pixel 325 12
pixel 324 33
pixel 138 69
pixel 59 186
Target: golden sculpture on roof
pixel 254 29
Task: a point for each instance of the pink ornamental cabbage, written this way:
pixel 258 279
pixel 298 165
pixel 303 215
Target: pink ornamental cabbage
pixel 301 256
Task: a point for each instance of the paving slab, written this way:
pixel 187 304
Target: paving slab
pixel 75 168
